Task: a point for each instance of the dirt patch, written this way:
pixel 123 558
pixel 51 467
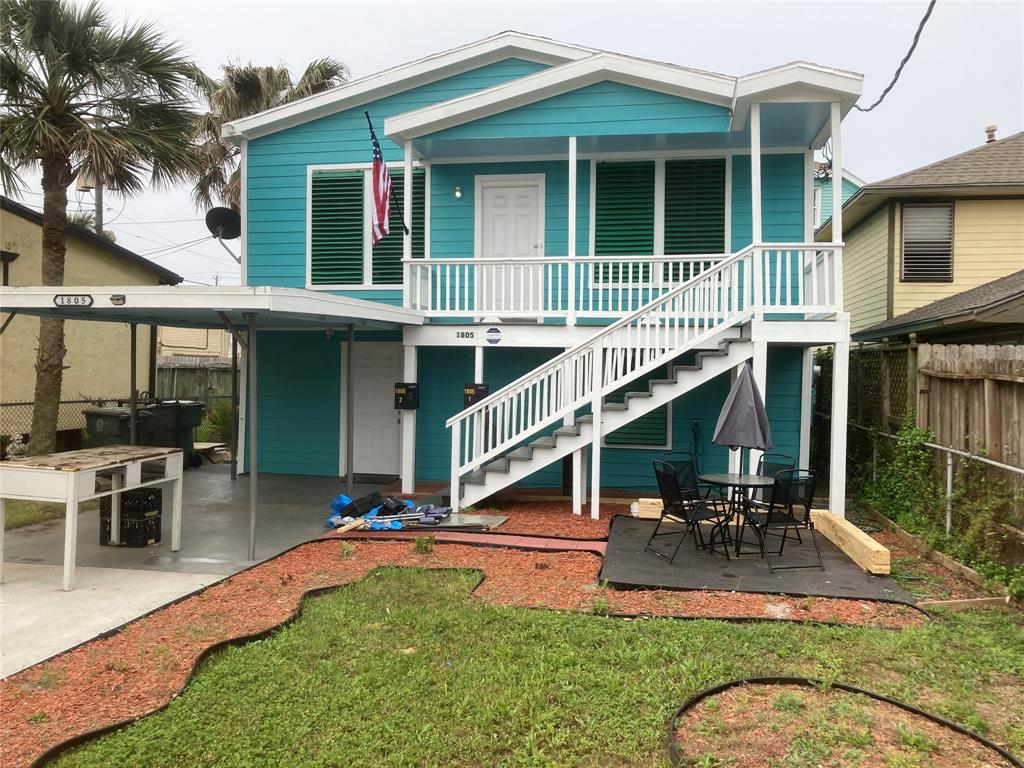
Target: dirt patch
pixel 554 518
pixel 144 666
pixel 924 578
pixel 757 726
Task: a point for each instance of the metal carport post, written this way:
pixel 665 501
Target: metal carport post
pixel 250 358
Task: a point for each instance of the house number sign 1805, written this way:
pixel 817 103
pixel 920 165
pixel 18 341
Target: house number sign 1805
pixel 72 300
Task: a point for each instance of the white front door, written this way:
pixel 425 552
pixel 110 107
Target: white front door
pixel 511 228
pixel 375 369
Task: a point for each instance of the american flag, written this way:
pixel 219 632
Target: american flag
pixel 381 214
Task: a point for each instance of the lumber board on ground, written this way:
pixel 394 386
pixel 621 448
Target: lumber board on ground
pixel 650 508
pixel 858 546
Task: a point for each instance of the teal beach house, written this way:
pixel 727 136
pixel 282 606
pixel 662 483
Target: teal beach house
pixel 596 244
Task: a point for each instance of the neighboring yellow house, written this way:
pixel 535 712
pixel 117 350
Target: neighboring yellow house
pixel 97 361
pixel 193 342
pixel 933 232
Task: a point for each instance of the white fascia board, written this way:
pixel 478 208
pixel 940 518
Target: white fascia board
pixel 403 77
pixel 666 78
pixel 114 302
pixel 794 82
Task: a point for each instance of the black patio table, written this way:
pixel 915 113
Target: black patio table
pixel 740 484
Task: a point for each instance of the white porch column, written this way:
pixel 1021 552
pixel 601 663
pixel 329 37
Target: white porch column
pixel 478 365
pixel 837 201
pixel 571 252
pixel 755 205
pixel 407 201
pixel 597 373
pixel 806 380
pixel 579 482
pixel 837 459
pixel 409 374
pixel 760 367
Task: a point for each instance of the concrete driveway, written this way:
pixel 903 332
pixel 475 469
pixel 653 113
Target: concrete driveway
pixel 117 584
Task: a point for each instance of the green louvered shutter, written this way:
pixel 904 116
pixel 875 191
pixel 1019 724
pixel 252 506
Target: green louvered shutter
pixel 650 430
pixel 624 213
pixel 694 207
pixel 336 239
pixel 387 254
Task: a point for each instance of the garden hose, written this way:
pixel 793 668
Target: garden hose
pixel 676 756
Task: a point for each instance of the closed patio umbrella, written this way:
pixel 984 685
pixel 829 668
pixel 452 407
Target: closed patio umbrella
pixel 743 422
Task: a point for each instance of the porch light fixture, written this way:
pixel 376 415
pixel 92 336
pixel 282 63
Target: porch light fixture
pixel 458 192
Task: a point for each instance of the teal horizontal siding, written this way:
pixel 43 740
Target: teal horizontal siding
pixel 444 370
pixel 452 219
pixel 298 387
pixel 276 174
pixel 782 199
pixel 602 109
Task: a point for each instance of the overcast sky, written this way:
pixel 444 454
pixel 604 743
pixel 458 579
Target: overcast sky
pixel 967 72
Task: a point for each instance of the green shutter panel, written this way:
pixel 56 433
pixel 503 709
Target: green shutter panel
pixel 650 429
pixel 624 211
pixel 336 237
pixel 387 254
pixel 695 206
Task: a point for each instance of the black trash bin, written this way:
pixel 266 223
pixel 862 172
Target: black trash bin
pixel 141 512
pixel 112 426
pixel 172 426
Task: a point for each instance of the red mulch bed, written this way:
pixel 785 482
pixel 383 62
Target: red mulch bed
pixel 757 726
pixel 147 664
pixel 933 581
pixel 554 518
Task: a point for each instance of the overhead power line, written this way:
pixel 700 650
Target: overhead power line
pixel 899 69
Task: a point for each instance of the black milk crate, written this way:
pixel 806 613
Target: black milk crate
pixel 140 518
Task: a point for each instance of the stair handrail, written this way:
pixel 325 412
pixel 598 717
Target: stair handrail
pixel 606 331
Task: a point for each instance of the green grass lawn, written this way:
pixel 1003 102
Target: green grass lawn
pixel 18 513
pixel 405 669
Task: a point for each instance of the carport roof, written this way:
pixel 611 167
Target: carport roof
pixel 206 306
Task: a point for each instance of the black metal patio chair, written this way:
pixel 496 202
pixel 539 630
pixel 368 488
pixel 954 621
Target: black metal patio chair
pixel 687 471
pixel 788 508
pixel 686 507
pixel 769 465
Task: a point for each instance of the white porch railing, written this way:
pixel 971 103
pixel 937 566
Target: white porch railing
pixel 606 286
pixel 793 278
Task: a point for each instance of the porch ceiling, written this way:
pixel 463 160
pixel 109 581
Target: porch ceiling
pixel 783 125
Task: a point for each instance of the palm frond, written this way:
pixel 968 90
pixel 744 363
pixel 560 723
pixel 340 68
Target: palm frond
pixel 320 75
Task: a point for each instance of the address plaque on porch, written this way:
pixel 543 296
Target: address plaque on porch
pixel 72 300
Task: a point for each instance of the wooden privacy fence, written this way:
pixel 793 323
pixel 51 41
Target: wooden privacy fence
pixel 972 398
pixel 196 378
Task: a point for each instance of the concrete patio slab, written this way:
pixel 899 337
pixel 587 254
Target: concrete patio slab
pixel 39 619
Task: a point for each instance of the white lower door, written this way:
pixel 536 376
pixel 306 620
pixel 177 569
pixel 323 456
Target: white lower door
pixel 376 367
pixel 511 228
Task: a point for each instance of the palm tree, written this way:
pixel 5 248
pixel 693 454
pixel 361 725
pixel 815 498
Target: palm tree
pixel 243 90
pixel 81 95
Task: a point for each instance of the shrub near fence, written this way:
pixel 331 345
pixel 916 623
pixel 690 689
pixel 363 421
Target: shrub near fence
pixel 961 399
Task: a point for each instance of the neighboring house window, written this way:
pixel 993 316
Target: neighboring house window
pixel 927 243
pixel 816 216
pixel 340 225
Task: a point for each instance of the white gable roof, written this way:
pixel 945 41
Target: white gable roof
pixel 572 66
pixel 438 66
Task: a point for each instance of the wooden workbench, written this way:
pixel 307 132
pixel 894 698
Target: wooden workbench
pixel 72 477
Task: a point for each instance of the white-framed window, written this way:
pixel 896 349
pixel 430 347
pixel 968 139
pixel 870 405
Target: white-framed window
pixel 927 249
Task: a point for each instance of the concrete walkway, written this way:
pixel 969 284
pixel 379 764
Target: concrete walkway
pixel 38 619
pixel 116 584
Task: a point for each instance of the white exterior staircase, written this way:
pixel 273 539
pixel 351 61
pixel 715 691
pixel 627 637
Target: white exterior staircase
pixel 543 416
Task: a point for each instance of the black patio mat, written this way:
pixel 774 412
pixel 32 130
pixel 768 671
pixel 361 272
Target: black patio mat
pixel 628 566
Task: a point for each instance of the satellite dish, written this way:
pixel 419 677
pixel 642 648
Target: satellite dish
pixel 223 223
